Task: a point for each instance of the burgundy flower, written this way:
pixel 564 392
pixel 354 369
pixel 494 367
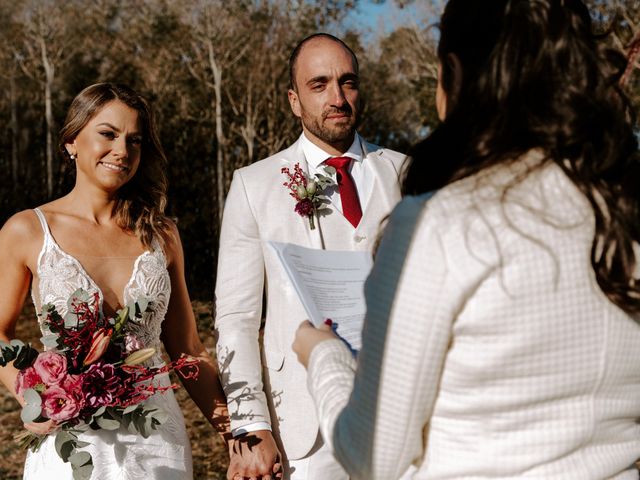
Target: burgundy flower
pixel 101 385
pixel 304 208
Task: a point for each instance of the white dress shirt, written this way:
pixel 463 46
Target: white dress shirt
pixel 361 173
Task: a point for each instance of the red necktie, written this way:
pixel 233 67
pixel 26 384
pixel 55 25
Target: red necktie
pixel 347 189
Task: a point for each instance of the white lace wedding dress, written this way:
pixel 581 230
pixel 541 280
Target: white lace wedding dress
pixel 166 454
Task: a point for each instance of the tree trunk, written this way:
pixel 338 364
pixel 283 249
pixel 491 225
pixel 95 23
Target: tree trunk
pixel 220 163
pixel 15 165
pixel 49 75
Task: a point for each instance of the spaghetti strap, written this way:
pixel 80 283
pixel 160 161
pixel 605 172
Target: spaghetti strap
pixel 43 223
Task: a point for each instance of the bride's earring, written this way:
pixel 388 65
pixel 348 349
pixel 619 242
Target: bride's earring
pixel 73 156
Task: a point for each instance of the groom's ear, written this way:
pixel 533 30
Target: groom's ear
pixel 294 102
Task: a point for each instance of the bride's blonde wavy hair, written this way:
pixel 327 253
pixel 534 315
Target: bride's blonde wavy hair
pixel 140 202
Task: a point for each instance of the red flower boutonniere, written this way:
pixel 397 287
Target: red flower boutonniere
pixel 309 192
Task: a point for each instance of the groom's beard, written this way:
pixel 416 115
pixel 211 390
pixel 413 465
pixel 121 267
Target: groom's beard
pixel 337 132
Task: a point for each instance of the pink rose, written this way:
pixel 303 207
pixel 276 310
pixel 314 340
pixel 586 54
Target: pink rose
pixel 27 378
pixel 60 404
pixel 51 366
pixel 131 343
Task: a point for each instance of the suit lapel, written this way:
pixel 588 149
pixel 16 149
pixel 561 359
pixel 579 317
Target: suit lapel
pixel 385 192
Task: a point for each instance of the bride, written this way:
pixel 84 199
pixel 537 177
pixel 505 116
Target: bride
pixel 110 236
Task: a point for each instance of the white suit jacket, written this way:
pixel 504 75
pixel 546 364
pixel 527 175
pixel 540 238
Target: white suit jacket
pixel 258 209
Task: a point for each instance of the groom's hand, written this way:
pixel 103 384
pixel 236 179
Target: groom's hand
pixel 254 455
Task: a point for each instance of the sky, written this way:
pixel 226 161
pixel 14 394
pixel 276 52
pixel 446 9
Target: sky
pixel 382 17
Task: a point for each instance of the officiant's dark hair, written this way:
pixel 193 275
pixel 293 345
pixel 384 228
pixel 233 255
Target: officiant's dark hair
pixel 142 200
pixel 293 58
pixel 534 76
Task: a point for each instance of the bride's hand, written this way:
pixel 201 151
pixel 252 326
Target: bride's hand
pixel 308 336
pixel 42 428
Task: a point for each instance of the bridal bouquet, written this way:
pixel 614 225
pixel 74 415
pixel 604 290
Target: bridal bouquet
pixel 92 376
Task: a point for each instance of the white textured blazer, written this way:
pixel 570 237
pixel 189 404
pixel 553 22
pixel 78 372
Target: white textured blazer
pixel 489 351
pixel 259 208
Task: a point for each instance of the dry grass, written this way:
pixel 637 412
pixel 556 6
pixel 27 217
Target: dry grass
pixel 209 454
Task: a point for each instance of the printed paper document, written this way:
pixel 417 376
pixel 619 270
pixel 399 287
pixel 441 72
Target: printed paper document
pixel 330 284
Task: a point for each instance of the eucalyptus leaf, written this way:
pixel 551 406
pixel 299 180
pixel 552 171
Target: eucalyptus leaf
pixel 139 422
pixel 16 343
pixel 79 458
pixel 3 345
pixel 46 308
pixel 131 425
pixel 49 340
pixel 70 319
pixel 148 424
pixel 129 409
pixel 82 473
pixel 30 413
pixel 26 356
pixel 32 407
pixel 107 423
pixel 65 445
pixel 9 354
pixel 66 450
pixel 82 427
pixel 99 412
pixel 32 397
pixel 142 428
pixel 115 414
pixel 81 296
pixel 61 437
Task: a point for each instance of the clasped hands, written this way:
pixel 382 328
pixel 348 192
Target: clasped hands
pixel 255 455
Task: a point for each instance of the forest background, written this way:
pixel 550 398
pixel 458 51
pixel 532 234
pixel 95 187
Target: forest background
pixel 216 74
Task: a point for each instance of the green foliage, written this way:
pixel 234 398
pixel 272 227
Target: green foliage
pixel 22 355
pixel 33 406
pixel 68 448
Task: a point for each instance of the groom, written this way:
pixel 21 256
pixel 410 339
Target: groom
pixel 266 387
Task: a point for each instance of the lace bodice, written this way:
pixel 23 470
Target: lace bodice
pixel 61 274
pixel 117 454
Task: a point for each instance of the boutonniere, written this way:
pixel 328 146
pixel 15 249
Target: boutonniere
pixel 309 192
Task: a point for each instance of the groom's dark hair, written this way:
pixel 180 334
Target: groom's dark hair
pixel 293 58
